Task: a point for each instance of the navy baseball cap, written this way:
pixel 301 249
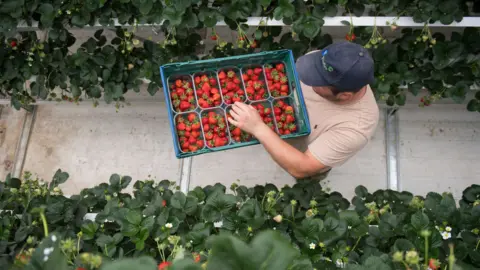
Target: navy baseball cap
pixel 345 65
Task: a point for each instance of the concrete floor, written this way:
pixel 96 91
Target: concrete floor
pixel 438 150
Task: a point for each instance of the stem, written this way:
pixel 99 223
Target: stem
pixel 293 213
pixel 451 257
pixel 45 225
pixel 78 245
pixel 426 252
pixel 356 244
pixel 478 244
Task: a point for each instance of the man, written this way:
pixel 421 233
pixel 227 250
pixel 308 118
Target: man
pixel 341 106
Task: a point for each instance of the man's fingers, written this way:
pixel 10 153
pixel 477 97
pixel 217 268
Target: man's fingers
pixel 235 115
pixel 233 122
pixel 241 105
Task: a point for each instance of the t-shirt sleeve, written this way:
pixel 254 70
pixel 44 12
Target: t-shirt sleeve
pixel 336 146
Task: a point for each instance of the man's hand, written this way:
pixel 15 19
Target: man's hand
pixel 246 118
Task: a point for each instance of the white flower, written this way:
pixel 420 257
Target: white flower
pixel 47 251
pixel 446 235
pixel 438 228
pixel 201 42
pixel 54 239
pixel 218 224
pixel 169 225
pixel 349 227
pixel 448 229
pixel 339 263
pixel 274 228
pixel 115 194
pixel 312 246
pixel 45 258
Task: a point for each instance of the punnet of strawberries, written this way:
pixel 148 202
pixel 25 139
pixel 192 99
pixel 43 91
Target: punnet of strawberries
pixel 231 86
pixel 189 132
pixel 265 111
pixel 182 96
pixel 284 116
pixel 277 80
pixel 207 91
pixel 236 133
pixel 255 83
pixel 215 128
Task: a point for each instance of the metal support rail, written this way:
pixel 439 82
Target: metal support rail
pixel 328 21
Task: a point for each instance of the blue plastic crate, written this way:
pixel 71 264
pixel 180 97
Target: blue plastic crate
pixel 186 70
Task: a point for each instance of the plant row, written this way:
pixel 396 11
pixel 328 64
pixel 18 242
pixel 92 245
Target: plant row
pixel 212 228
pixel 107 69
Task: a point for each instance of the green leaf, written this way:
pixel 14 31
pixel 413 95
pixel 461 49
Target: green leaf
pixel 191 205
pixel 178 200
pixel 265 3
pixel 267 251
pixel 134 217
pixel 59 178
pixel 152 88
pixel 173 15
pixel 400 99
pixel 252 213
pixel 419 221
pixel 361 191
pixel 47 14
pixel 144 263
pixel 56 259
pixel 403 245
pixel 309 230
pixel 284 9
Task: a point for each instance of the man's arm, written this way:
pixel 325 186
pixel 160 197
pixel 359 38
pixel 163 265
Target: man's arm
pixel 296 163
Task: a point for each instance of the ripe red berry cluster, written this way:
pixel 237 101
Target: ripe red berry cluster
pixel 215 129
pixel 285 117
pixel 237 134
pixel 231 86
pixel 207 91
pixel 265 112
pixel 189 132
pixel 182 96
pixel 277 81
pixel 254 84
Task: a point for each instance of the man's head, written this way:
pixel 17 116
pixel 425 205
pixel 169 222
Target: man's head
pixel 338 72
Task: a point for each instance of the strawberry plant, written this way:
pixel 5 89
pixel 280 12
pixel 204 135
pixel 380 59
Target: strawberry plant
pixel 254 81
pixel 231 86
pixel 156 226
pixel 284 116
pixel 206 88
pixel 215 128
pixel 189 132
pixel 182 96
pixel 277 80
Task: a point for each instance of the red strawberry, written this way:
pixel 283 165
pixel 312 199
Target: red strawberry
pixel 257 71
pixel 280 67
pixel 181 126
pixel 222 75
pixel 164 265
pixel 184 105
pixel 350 37
pixel 164 203
pixel 191 117
pixel 13 43
pixel 197 80
pixel 178 83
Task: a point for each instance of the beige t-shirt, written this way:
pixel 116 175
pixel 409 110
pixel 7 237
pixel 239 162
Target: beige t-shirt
pixel 338 131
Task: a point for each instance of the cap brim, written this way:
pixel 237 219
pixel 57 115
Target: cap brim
pixel 308 71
